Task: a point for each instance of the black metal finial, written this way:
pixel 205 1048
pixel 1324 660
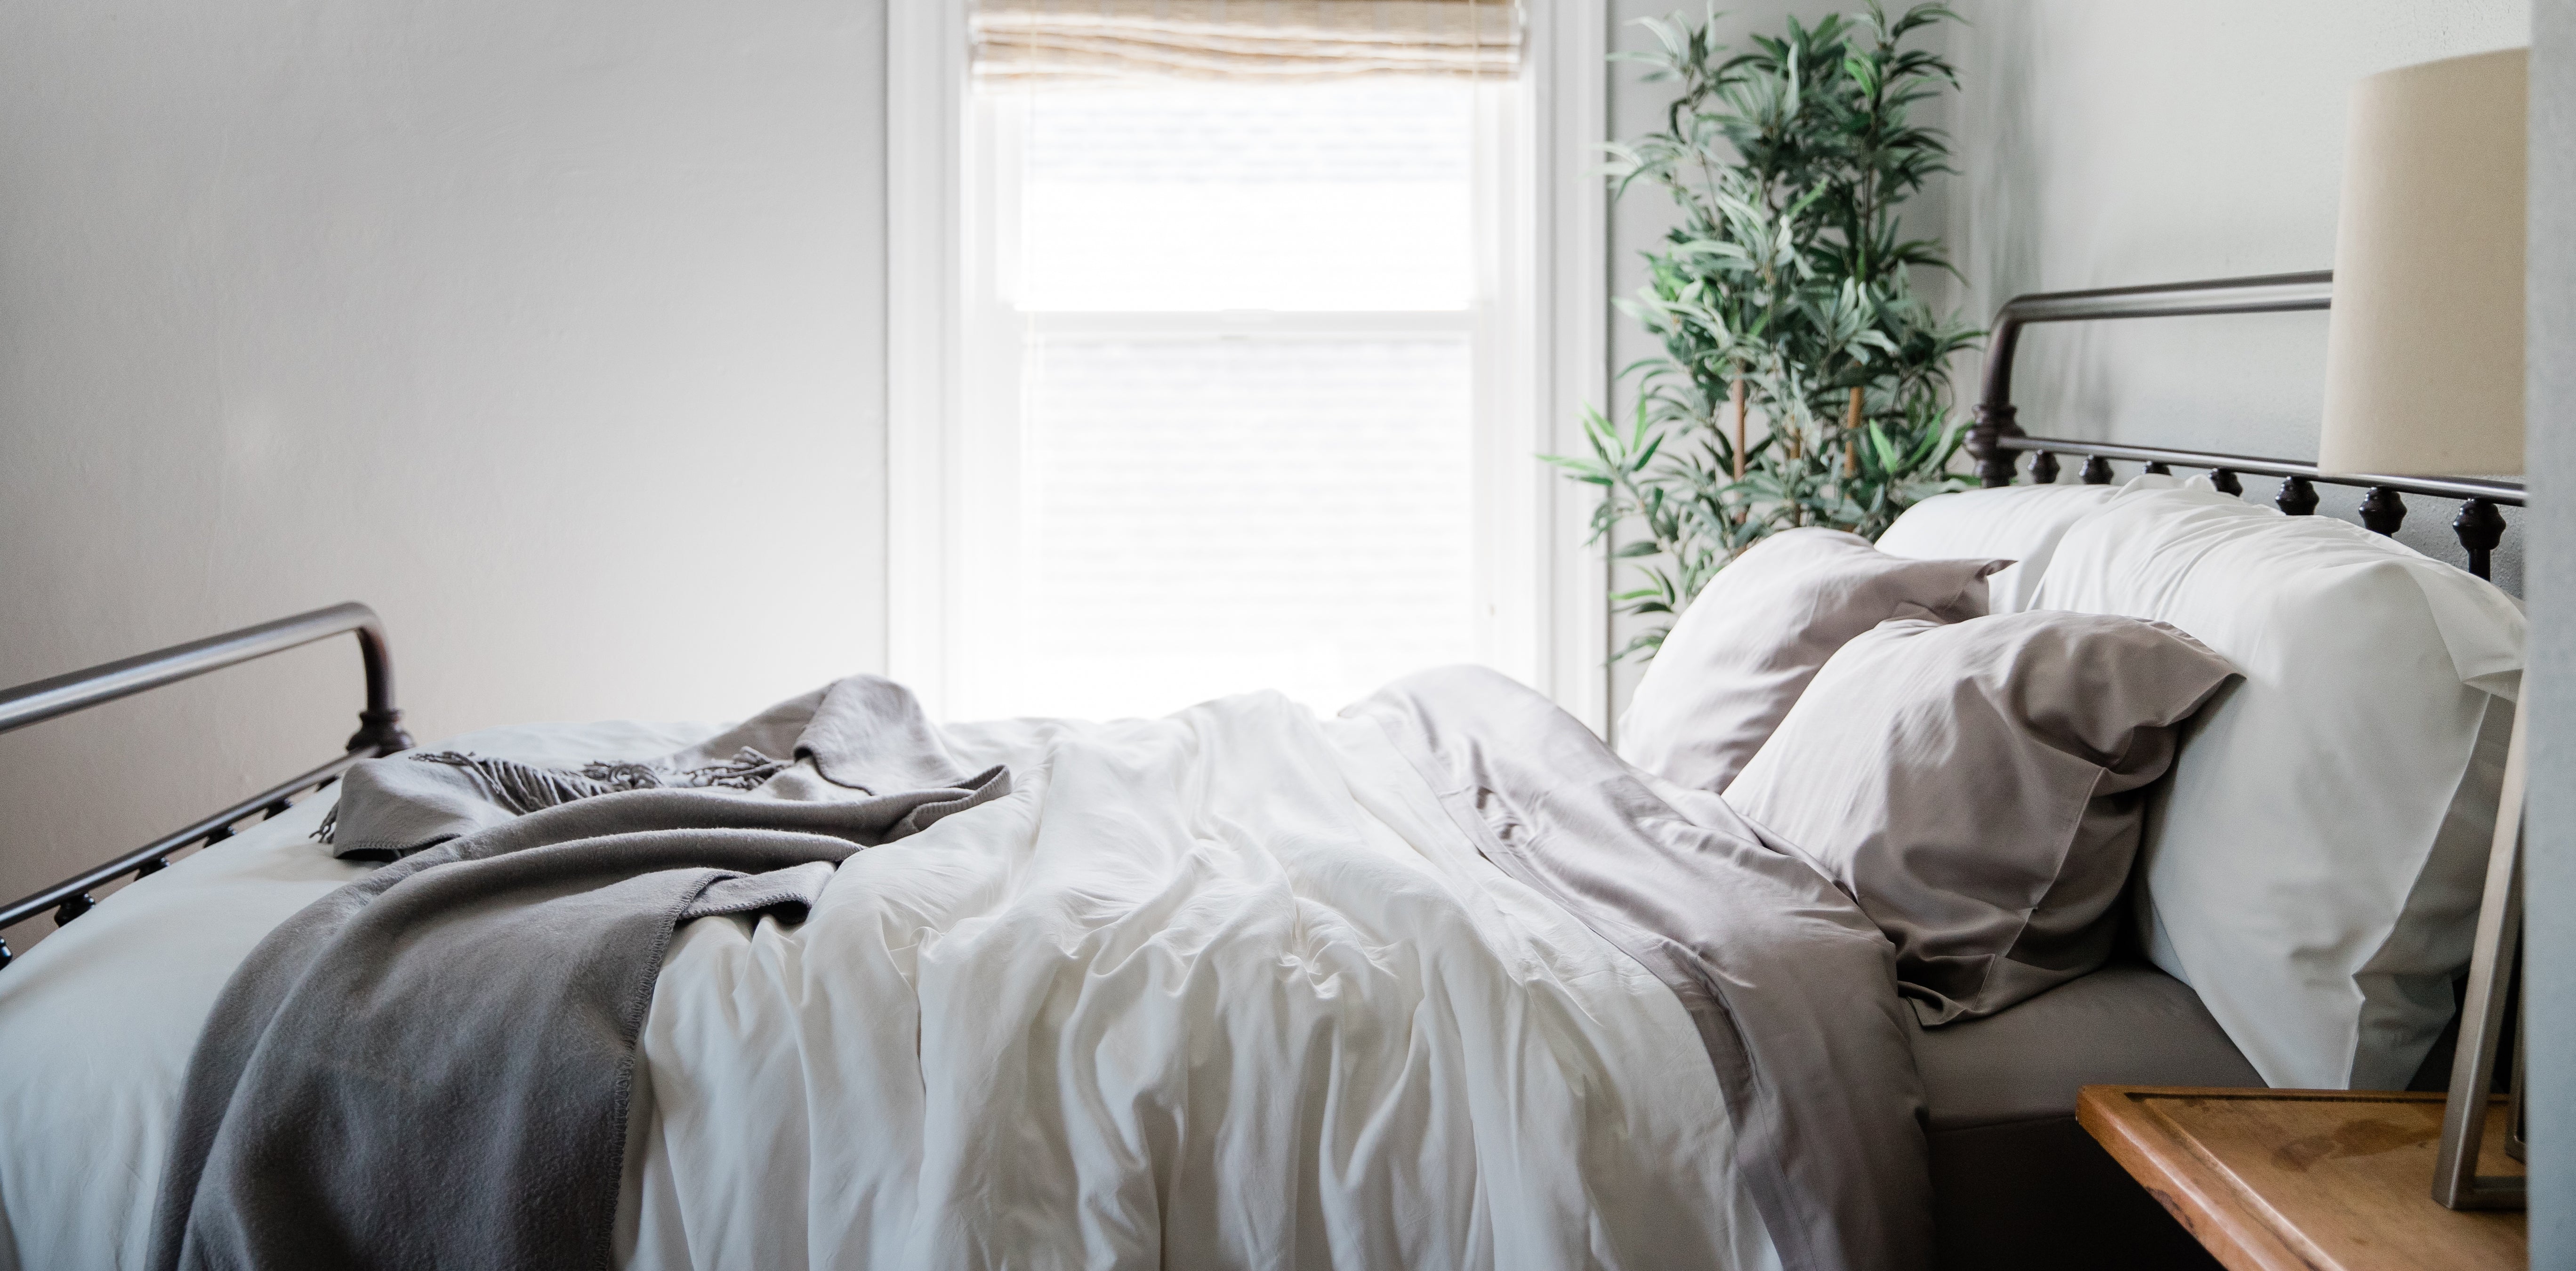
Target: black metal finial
pixel 2297 497
pixel 2225 481
pixel 2160 468
pixel 2383 510
pixel 6 957
pixel 380 731
pixel 2097 470
pixel 72 908
pixel 1995 465
pixel 151 867
pixel 2480 527
pixel 2043 467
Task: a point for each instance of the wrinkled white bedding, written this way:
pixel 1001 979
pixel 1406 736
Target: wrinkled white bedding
pixel 1224 989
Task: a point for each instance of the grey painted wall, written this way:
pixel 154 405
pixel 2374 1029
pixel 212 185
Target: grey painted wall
pixel 557 339
pixel 2551 458
pixel 2111 144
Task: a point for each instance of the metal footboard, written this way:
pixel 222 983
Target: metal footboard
pixel 379 732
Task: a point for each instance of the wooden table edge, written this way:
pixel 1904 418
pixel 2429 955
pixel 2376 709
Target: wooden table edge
pixel 2171 1171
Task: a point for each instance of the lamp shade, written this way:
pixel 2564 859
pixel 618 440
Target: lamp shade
pixel 2424 343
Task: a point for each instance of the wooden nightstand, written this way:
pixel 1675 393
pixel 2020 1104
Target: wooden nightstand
pixel 2304 1180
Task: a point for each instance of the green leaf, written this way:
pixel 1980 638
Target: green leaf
pixel 1788 162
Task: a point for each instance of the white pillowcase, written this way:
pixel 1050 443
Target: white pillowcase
pixel 2022 522
pixel 2313 866
pixel 1737 659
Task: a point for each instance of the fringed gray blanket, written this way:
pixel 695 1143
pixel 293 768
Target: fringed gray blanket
pixel 431 1066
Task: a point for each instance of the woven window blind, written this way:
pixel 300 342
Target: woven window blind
pixel 1265 40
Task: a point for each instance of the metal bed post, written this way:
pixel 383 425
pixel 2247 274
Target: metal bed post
pixel 380 732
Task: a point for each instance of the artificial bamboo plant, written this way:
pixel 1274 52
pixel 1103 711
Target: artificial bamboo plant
pixel 1785 293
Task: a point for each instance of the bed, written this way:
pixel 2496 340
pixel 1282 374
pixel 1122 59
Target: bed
pixel 1240 986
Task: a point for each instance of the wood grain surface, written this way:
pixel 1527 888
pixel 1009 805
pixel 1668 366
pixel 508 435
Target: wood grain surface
pixel 2305 1180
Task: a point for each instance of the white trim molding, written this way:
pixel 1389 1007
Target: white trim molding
pixel 925 196
pixel 1569 46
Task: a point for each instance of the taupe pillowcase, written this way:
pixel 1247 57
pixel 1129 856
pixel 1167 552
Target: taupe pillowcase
pixel 1738 658
pixel 1979 788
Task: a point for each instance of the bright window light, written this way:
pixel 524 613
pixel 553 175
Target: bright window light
pixel 1211 516
pixel 1321 197
pixel 1225 392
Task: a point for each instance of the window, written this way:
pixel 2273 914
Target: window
pixel 1244 390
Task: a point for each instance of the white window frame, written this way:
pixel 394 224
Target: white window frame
pixel 1541 591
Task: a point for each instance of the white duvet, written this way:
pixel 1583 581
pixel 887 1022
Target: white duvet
pixel 1221 990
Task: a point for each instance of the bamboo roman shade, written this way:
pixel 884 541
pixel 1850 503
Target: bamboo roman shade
pixel 1267 40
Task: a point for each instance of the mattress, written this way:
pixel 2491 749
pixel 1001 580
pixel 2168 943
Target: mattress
pixel 2017 1182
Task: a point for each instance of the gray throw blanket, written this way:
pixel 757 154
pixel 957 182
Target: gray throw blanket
pixel 430 1067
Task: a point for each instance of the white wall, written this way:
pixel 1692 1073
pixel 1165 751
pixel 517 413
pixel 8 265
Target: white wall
pixel 2104 145
pixel 554 331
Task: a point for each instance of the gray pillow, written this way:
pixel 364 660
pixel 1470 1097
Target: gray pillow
pixel 1978 787
pixel 1739 656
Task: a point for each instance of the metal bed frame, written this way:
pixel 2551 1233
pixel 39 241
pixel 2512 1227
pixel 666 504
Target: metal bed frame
pixel 379 732
pixel 1996 441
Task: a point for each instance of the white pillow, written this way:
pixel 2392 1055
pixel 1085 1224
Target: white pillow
pixel 2022 522
pixel 1737 659
pixel 2313 867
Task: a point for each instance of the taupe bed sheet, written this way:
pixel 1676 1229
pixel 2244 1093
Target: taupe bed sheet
pixel 2016 1182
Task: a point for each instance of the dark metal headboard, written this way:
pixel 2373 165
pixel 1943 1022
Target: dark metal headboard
pixel 379 732
pixel 1996 440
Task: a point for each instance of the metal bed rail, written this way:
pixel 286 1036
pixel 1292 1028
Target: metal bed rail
pixel 379 732
pixel 1996 439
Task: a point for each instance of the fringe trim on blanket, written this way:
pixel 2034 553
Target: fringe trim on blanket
pixel 748 768
pixel 520 787
pixel 525 787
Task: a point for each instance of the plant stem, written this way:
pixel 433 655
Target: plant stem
pixel 1851 435
pixel 1738 393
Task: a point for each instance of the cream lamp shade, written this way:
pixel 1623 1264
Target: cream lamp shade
pixel 2424 342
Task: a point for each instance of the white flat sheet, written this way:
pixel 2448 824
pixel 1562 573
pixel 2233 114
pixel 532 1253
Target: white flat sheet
pixel 1225 989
